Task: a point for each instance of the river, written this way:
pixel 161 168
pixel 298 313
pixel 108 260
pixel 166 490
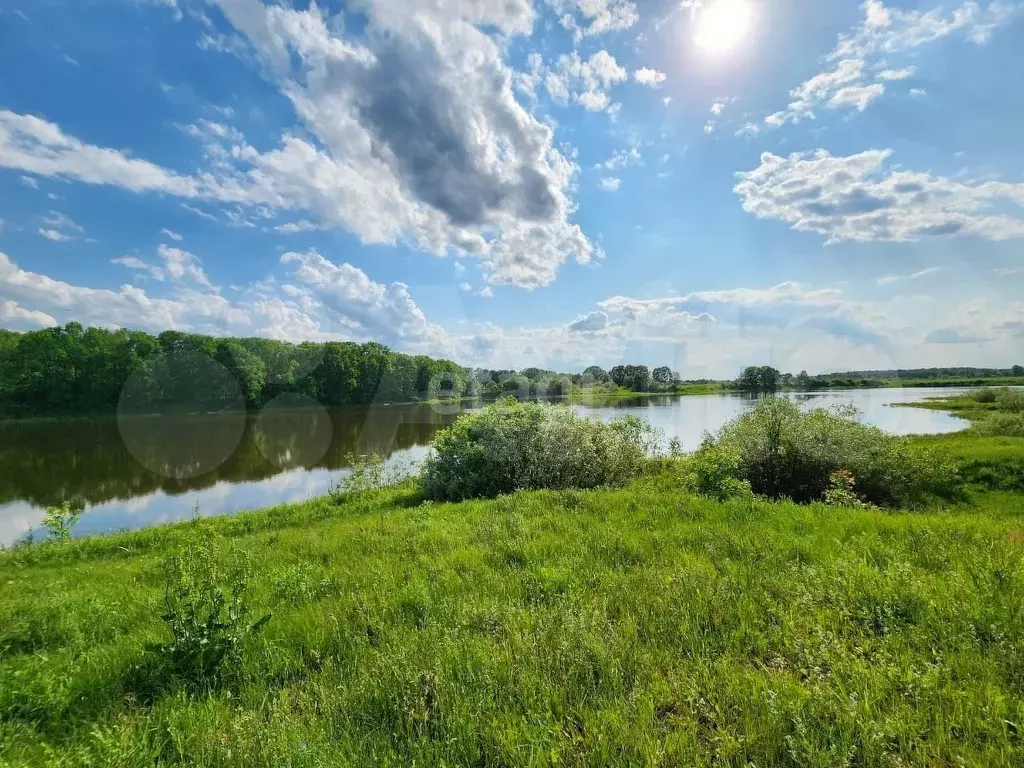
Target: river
pixel 134 473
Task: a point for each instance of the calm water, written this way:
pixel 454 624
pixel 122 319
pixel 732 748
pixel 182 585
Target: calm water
pixel 135 473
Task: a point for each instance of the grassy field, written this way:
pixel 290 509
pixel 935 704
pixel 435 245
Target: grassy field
pixel 633 626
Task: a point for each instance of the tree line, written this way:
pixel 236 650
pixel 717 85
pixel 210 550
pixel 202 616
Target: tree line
pixel 765 378
pixel 72 370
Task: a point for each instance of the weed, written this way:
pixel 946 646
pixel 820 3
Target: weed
pixel 60 520
pixel 205 611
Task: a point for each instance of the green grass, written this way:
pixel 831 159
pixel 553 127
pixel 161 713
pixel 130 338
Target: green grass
pixel 635 626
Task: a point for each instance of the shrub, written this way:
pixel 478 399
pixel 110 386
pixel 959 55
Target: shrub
pixel 783 451
pixel 1011 400
pixel 205 611
pixel 1001 425
pixel 986 395
pixel 511 446
pixel 715 473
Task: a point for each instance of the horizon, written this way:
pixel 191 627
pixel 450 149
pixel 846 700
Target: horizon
pixel 551 184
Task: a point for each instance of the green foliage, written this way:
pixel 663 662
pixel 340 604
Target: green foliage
pixel 786 452
pixel 841 491
pixel 369 473
pixel 205 611
pixel 71 370
pixel 510 446
pixel 759 379
pixel 716 473
pixel 59 520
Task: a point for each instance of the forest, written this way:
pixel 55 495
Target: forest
pixel 72 370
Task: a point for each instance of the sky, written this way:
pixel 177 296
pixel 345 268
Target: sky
pixel 705 184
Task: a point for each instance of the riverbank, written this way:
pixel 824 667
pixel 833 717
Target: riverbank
pixel 631 626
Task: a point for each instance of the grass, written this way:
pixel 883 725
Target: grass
pixel 632 626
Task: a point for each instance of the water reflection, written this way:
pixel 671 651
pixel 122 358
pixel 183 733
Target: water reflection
pixel 288 454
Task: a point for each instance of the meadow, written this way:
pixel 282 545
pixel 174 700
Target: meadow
pixel 642 624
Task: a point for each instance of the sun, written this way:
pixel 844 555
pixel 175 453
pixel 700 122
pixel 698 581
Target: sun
pixel 722 24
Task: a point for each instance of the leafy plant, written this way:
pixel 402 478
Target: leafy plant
pixel 205 611
pixel 716 474
pixel 510 446
pixel 60 520
pixel 841 491
pixel 368 473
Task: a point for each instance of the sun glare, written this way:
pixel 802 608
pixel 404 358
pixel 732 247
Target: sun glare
pixel 722 24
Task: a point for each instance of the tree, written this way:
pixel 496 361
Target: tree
pixel 1017 370
pixel 663 375
pixel 767 378
pixel 596 374
pixel 759 379
pixel 749 379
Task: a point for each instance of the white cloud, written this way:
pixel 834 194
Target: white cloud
pixel 199 212
pixel 486 292
pixel 709 126
pixel 859 198
pixel 176 264
pixel 856 96
pixel 649 77
pixel 890 279
pixel 182 265
pixel 884 31
pixel 294 227
pixel 1009 271
pixel 422 138
pixel 594 17
pixel 897 74
pixel 415 137
pixel 621 158
pixel 32 145
pixel 29 182
pixel 585 82
pixel 56 236
pixel 610 183
pixel 173 235
pixel 134 262
pixel 718 105
pixel 383 312
pixel 465 287
pixel 11 312
pixel 128 307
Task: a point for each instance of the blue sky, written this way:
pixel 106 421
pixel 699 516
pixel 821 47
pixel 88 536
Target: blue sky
pixel 506 183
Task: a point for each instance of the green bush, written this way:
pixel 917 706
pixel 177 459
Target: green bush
pixel 511 446
pixel 1001 425
pixel 1011 400
pixel 986 395
pixel 783 451
pixel 715 473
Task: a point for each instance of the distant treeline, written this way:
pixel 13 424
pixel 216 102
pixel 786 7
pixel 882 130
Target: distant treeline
pixel 930 373
pixel 73 370
pixel 767 379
